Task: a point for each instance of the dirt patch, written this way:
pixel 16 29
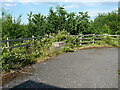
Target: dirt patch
pixel 9 76
pixel 39 60
pixel 91 47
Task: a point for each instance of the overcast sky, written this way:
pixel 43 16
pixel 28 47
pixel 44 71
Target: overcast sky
pixel 22 7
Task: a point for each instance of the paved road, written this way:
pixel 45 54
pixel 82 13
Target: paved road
pixel 91 68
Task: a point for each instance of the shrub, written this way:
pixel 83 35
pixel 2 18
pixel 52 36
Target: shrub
pixel 16 58
pixel 67 49
pixel 110 41
pixel 61 36
pixel 22 56
pixel 101 42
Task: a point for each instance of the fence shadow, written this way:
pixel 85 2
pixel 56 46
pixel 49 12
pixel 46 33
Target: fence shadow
pixel 35 85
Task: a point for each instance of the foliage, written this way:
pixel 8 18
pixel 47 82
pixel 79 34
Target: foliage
pixel 59 24
pixel 11 27
pixel 111 41
pixel 68 49
pixel 105 23
pixel 19 57
pixel 58 20
pixel 16 58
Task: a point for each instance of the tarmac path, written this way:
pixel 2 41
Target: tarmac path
pixel 90 68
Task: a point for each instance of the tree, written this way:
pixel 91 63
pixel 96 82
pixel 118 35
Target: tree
pixel 82 23
pixel 70 23
pixel 39 24
pixel 62 14
pixel 30 29
pixel 52 22
pixel 11 27
pixel 104 21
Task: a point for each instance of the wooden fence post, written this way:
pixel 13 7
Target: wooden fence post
pixel 93 39
pixel 80 39
pixel 34 42
pixel 33 37
pixel 105 35
pixel 8 43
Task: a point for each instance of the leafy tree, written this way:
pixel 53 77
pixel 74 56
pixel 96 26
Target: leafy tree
pixel 105 29
pixel 82 23
pixel 39 24
pixel 104 21
pixel 30 29
pixel 70 23
pixel 11 27
pixel 52 22
pixel 118 24
pixel 61 17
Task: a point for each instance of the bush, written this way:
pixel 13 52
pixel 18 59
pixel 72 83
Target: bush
pixel 68 49
pixel 110 41
pixel 61 36
pixel 22 56
pixel 101 42
pixel 16 58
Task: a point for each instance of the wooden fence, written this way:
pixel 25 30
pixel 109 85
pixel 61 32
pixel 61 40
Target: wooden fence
pixel 88 38
pixel 92 38
pixel 23 39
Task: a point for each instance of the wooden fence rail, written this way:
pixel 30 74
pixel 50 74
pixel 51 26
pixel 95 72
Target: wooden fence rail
pixel 94 37
pixel 82 38
pixel 23 39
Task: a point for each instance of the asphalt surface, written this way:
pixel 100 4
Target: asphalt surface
pixel 91 68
